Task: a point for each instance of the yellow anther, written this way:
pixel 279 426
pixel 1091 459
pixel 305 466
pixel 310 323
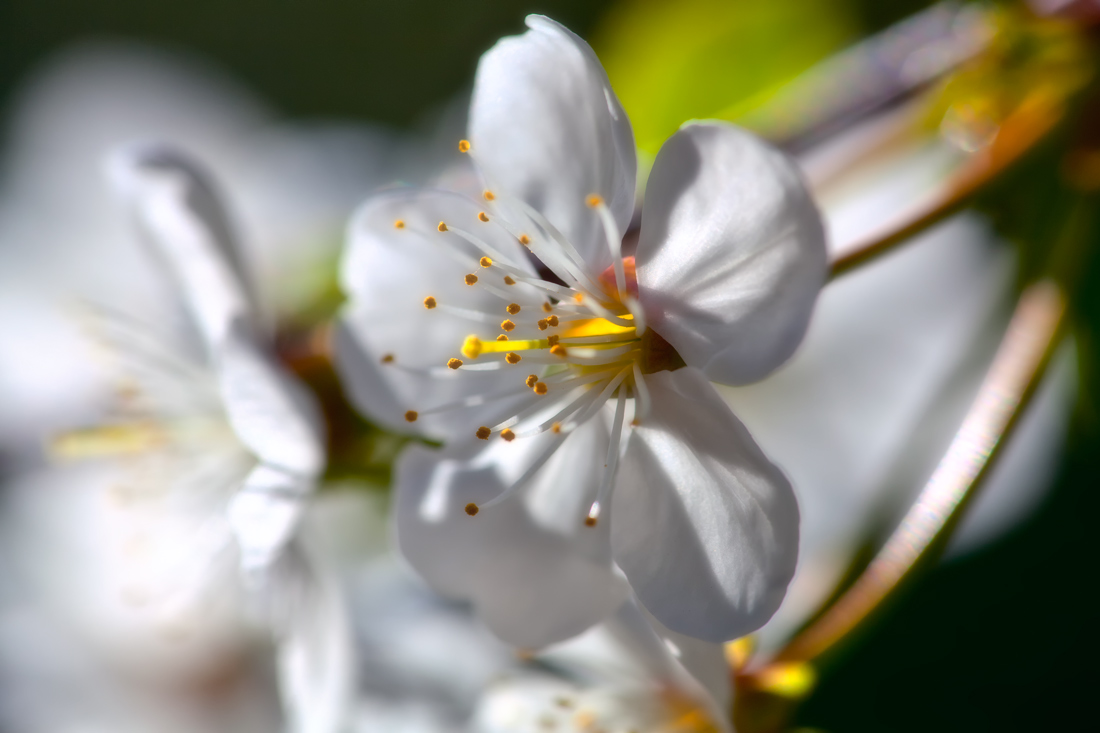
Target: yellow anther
pixel 411 416
pixel 552 320
pixel 399 224
pixel 552 339
pixel 508 435
pixel 482 216
pixel 430 303
pixel 594 200
pixel 589 521
pixel 489 195
pixel 513 308
pixel 508 280
pixel 471 279
pixel 485 262
pixel 512 357
pixel 483 433
pixel 463 146
pixel 546 307
pixel 543 324
pixel 559 350
pixel 471 509
pixel 454 363
pixel 502 337
pixel 579 297
pixel 387 358
pixel 442 226
pixel 555 428
pixel 540 388
pixel 472 347
pixel 531 380
pixel 507 325
pixel 524 240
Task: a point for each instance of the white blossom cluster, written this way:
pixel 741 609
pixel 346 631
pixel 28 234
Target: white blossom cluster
pixel 640 427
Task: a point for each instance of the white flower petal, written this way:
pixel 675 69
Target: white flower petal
pixel 535 573
pixel 270 412
pixel 264 515
pixel 547 128
pixel 316 657
pixel 704 525
pixel 178 209
pixel 732 252
pixel 389 272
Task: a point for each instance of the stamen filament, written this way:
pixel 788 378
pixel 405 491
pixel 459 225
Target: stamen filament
pixel 611 466
pixel 614 245
pixel 641 396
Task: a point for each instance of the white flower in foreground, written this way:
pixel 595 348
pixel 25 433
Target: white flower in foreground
pixel 516 319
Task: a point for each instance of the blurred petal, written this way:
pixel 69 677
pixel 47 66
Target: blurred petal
pixel 546 128
pixel 732 252
pixel 704 525
pixel 270 412
pixel 265 514
pixel 182 216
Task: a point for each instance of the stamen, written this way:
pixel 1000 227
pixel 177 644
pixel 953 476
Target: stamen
pixel 543 324
pixel 482 216
pixel 552 320
pixel 541 388
pixel 508 435
pixel 463 146
pixel 502 337
pixel 454 363
pixel 594 200
pixel 485 262
pixel 507 325
pixel 387 358
pixel 508 280
pixel 411 416
pixel 513 308
pixel 532 379
pixel 399 224
pixel 559 350
pixel 611 465
pixel 555 428
pixel 429 302
pixel 442 226
pixel 512 357
pixel 471 279
pixel 483 433
pixel 489 195
pixel 472 509
pixel 552 340
pixel 524 240
pixel 546 307
pixel 614 243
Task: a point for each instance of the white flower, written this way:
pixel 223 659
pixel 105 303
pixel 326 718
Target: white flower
pixel 517 318
pixel 625 674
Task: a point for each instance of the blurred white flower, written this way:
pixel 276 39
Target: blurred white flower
pixel 625 674
pixel 128 564
pixel 705 527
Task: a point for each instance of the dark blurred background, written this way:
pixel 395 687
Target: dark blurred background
pixel 1002 639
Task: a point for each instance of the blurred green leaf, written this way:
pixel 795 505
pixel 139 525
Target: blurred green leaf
pixel 671 62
